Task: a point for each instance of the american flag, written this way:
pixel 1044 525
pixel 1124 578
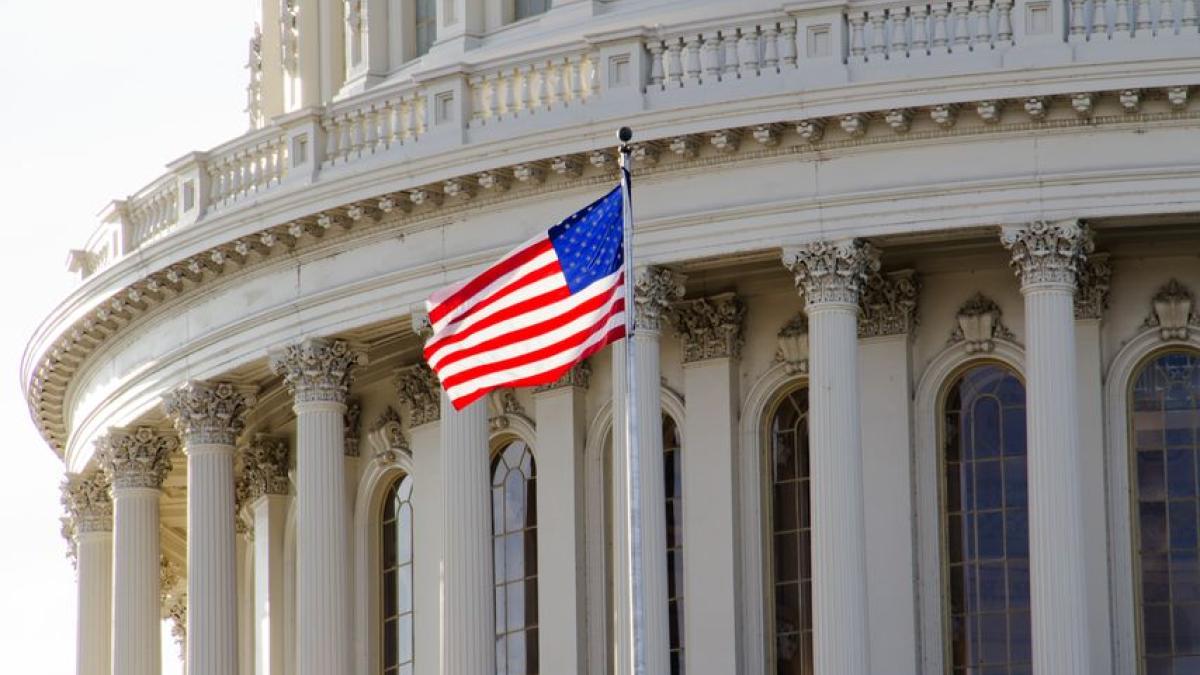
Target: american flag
pixel 539 310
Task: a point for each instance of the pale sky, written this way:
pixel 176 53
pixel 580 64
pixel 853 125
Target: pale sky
pixel 95 98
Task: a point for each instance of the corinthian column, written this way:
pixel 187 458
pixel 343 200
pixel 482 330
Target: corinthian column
pixel 317 372
pixel 136 461
pixel 90 512
pixel 1047 258
pixel 208 418
pixel 830 276
pixel 265 467
pixel 655 290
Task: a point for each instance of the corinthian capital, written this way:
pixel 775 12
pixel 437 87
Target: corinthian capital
pixel 418 387
pixel 88 503
pixel 207 413
pixel 831 272
pixel 265 467
pixel 1095 277
pixel 317 369
pixel 655 290
pixel 710 328
pixel 888 304
pixel 1047 252
pixel 137 458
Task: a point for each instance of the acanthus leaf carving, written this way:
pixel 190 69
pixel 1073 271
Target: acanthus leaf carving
pixel 1095 279
pixel 387 438
pixel 578 375
pixel 710 327
pixel 1172 311
pixel 207 413
pixel 502 407
pixel 888 304
pixel 418 388
pixel 136 458
pixel 318 369
pixel 831 271
pixel 265 466
pixel 792 345
pixel 979 325
pixel 655 290
pixel 1047 252
pixel 173 601
pixel 88 503
pixel 352 423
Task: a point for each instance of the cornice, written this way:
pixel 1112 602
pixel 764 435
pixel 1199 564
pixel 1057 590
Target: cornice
pixel 149 281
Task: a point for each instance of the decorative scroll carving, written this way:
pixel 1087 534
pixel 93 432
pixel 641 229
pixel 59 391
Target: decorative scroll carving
pixel 829 272
pixel 317 369
pixel 353 426
pixel 138 458
pixel 792 342
pixel 502 407
pixel 979 325
pixel 419 389
pixel 1172 311
pixel 206 413
pixel 387 438
pixel 710 328
pixel 888 304
pixel 580 375
pixel 1095 277
pixel 655 290
pixel 265 466
pixel 1047 252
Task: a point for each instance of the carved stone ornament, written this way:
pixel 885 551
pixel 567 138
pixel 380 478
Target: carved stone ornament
pixel 137 458
pixel 173 599
pixel 579 375
pixel 352 422
pixel 710 328
pixel 289 42
pixel 419 389
pixel 207 413
pixel 655 290
pixel 979 325
pixel 387 438
pixel 88 503
pixel 888 304
pixel 1095 279
pixel 243 522
pixel 792 342
pixel 502 407
pixel 265 466
pixel 1047 252
pixel 317 369
pixel 1172 312
pixel 831 272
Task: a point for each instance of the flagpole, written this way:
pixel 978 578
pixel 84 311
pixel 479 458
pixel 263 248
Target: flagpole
pixel 633 455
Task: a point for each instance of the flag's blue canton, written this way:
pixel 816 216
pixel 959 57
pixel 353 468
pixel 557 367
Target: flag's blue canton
pixel 589 243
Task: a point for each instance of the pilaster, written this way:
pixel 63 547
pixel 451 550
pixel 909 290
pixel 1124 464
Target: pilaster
pixel 90 512
pixel 265 467
pixel 318 373
pixel 1047 257
pixel 710 330
pixel 831 277
pixel 135 462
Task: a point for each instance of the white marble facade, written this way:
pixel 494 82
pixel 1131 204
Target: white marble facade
pixel 918 289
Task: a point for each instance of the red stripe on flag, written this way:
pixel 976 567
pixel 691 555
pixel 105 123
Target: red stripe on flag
pixel 485 278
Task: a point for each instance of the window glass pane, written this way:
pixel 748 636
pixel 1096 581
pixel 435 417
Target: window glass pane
pixel 985 526
pixel 526 8
pixel 396 605
pixel 673 492
pixel 426 25
pixel 791 565
pixel 514 557
pixel 1163 417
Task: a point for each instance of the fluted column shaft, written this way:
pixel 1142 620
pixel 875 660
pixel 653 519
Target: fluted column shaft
pixel 838 529
pixel 137 648
pixel 94 563
pixel 322 571
pixel 469 632
pixel 1046 257
pixel 212 565
pixel 270 513
pixel 831 275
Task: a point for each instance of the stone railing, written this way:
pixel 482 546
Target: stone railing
pixel 809 49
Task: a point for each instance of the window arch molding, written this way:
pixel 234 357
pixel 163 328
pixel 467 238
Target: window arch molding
pixel 595 575
pixel 1118 383
pixel 373 486
pixel 935 381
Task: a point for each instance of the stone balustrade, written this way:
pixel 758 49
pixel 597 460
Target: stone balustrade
pixel 818 51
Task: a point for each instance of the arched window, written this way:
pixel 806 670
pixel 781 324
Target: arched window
pixel 397 569
pixel 791 541
pixel 425 25
pixel 673 490
pixel 523 9
pixel 1165 420
pixel 985 523
pixel 514 540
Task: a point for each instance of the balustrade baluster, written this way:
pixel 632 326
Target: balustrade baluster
pixel 962 31
pixel 1166 17
pixel 675 62
pixel 1189 18
pixel 692 60
pixel 1142 18
pixel 593 81
pixel 345 137
pixel 941 37
pixel 770 48
pixel 543 87
pixel 729 38
pixel 920 29
pixel 254 169
pixel 858 44
pixel 710 57
pixel 898 18
pixel 370 131
pixel 1122 26
pixel 983 24
pixel 1004 31
pixel 1078 30
pixel 576 65
pixel 787 44
pixel 526 73
pixel 509 89
pixel 748 52
pixel 656 48
pixel 478 100
pixel 878 48
pixel 562 81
